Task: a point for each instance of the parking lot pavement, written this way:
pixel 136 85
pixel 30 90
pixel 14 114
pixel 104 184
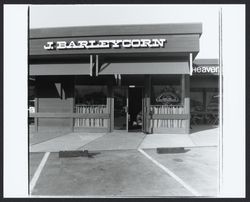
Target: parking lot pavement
pixel 108 174
pixel 196 166
pixel 129 173
pixel 34 161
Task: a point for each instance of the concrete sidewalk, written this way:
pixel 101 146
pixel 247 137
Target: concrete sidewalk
pixel 71 141
pixel 200 136
pixel 116 141
pixel 90 141
pixel 205 136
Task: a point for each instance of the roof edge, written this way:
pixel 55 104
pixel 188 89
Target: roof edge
pixel 116 30
pixel 206 61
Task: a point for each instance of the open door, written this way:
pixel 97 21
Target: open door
pixel 135 109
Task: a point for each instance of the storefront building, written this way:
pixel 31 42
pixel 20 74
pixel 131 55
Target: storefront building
pixel 126 78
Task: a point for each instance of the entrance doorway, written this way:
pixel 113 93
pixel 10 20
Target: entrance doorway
pixel 135 109
pixel 120 108
pixel 128 113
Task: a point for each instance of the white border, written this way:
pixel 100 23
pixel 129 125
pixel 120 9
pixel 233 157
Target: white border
pixel 233 55
pixel 15 183
pixel 15 101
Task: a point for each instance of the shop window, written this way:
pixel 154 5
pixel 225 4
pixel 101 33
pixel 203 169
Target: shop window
pixel 212 108
pixel 166 95
pixel 212 101
pixel 166 99
pixel 204 106
pixel 90 95
pixel 196 103
pixel 91 99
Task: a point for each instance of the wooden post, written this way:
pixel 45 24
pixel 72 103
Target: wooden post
pixel 127 105
pixel 187 111
pixel 110 106
pixel 204 97
pixel 186 96
pixel 36 119
pixel 72 120
pixel 190 64
pixel 91 65
pixel 147 98
pixel 183 88
pixel 96 65
pixel 112 111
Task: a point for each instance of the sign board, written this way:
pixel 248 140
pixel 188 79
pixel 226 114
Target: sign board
pixel 168 96
pixel 206 70
pixel 100 44
pixel 161 44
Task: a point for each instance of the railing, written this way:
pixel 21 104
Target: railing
pixel 204 117
pixel 91 122
pixel 167 116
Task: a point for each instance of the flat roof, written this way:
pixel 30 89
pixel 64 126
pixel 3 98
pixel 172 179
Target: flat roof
pixel 118 30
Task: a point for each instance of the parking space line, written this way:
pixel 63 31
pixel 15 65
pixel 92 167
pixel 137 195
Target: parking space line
pixel 189 188
pixel 38 171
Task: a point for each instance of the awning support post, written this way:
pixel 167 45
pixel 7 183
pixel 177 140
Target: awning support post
pixel 119 80
pixel 96 65
pixel 190 64
pixel 91 65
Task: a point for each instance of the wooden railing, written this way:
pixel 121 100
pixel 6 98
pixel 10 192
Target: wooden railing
pixel 97 120
pixel 205 117
pixel 167 116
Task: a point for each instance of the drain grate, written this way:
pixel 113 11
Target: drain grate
pixel 76 153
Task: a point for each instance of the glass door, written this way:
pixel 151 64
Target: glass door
pixel 120 108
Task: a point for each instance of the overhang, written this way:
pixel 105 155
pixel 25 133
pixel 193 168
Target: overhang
pixel 177 67
pixel 59 69
pixel 175 38
pixel 117 30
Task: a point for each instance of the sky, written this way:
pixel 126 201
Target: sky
pixel 42 16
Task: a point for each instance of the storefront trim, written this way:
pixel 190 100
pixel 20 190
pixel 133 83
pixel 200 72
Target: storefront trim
pixel 135 30
pixel 69 115
pixel 59 69
pixel 178 67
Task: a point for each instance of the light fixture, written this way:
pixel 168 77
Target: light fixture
pixel 131 86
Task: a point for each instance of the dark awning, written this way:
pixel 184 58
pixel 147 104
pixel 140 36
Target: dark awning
pixel 59 69
pixel 172 67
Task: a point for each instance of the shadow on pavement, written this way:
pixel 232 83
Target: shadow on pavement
pixel 174 150
pixel 199 128
pixel 77 153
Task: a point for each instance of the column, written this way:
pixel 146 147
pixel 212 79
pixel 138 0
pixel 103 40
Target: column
pixel 147 97
pixel 185 85
pixel 110 106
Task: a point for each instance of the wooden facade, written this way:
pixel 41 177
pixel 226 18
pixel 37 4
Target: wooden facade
pixel 58 72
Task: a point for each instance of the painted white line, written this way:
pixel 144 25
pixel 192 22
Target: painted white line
pixel 189 188
pixel 38 171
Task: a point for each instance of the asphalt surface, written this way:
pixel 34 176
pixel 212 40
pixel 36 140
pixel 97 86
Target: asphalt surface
pixel 34 161
pixel 127 173
pixel 196 166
